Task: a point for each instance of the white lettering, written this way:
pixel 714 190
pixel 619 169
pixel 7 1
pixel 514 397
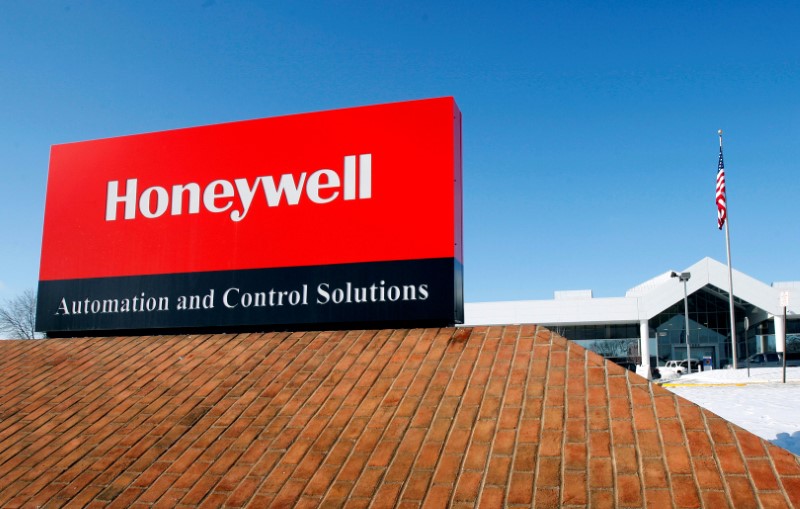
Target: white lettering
pixel 352 294
pixel 146 200
pixel 365 180
pixel 225 297
pixel 62 307
pixel 246 193
pixel 286 186
pixel 323 186
pixel 350 177
pixel 113 199
pixel 88 306
pixel 314 185
pixel 211 195
pixel 194 198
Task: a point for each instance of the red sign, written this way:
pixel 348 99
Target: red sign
pixel 368 184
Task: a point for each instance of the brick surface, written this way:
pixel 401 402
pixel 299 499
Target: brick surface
pixel 472 417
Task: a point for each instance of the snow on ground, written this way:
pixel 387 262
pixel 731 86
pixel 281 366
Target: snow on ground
pixel 760 403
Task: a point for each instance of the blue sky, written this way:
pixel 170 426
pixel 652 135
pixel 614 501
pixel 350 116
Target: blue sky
pixel 590 144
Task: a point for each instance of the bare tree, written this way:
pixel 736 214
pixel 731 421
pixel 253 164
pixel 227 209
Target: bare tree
pixel 18 316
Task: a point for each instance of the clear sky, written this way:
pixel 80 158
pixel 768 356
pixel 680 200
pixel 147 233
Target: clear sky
pixel 590 128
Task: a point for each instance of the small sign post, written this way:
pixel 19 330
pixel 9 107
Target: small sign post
pixel 784 305
pixel 746 348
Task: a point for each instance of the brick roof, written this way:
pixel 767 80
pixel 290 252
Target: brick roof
pixel 514 416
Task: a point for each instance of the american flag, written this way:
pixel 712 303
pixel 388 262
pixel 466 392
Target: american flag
pixel 722 210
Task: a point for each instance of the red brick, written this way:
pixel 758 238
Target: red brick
pixel 729 459
pixel 751 445
pixel 773 500
pixel 368 482
pixel 520 489
pixel 576 408
pixel 699 443
pixel 289 493
pixel 528 431
pixel 353 467
pixel 467 486
pixel 600 473
pixel 597 396
pixel 492 497
pixel 509 418
pixel 629 491
pixel 437 497
pixel 504 442
pixel 498 470
pixel 548 498
pixel 382 454
pixel 200 490
pixel 400 467
pixel 550 444
pixel 599 444
pixel 720 430
pixel 741 492
pixel 617 381
pixel 574 488
pixel 685 492
pixel 762 475
pixel 715 499
pixel 641 397
pixel 339 491
pixel 707 474
pixel 625 460
pixel 243 493
pixel 598 418
pixel 649 444
pixel 658 498
pixel 525 460
pixel 484 430
pixel 792 487
pixel 476 456
pixel 576 386
pixel 622 431
pixel 671 432
pixel 448 468
pixel 576 430
pixel 457 441
pixel 417 485
pixel 553 418
pixel 575 456
pixel 321 481
pixel 643 418
pixel 665 407
pixel 678 460
pixel 785 462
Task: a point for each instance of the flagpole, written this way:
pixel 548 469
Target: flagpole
pixel 730 270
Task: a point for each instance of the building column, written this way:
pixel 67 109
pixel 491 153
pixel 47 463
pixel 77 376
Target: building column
pixel 644 350
pixel 780 333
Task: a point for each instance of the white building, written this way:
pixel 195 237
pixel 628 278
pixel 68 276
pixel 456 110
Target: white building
pixel 650 319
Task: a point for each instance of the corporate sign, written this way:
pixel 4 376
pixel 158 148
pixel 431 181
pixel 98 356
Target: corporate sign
pixel 345 216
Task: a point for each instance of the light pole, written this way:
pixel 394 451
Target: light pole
pixel 684 277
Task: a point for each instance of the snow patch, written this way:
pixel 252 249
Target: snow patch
pixel 759 403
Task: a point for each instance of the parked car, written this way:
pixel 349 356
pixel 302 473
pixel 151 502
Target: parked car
pixel 771 359
pixel 762 360
pixel 697 366
pixel 675 368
